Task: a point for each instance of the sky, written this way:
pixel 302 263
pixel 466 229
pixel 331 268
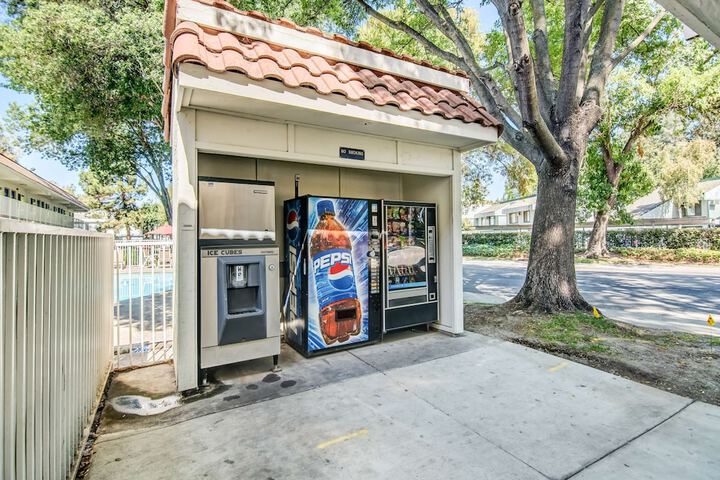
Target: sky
pixel 56 172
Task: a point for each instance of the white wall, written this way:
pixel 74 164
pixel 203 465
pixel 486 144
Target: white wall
pixel 253 149
pixel 445 192
pixel 259 138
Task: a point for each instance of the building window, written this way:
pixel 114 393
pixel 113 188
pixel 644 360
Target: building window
pixel 526 216
pixel 12 193
pixel 7 192
pixel 20 197
pixel 692 211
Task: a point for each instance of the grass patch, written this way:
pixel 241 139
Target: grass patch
pixel 579 331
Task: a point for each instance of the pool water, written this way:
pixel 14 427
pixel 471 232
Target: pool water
pixel 131 287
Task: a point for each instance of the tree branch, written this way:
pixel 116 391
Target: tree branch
pixel 573 47
pixel 639 39
pixel 485 87
pixel 412 33
pixel 542 52
pixel 511 16
pixel 601 63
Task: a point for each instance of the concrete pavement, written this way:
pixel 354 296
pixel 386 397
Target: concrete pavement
pixel 675 297
pixel 418 406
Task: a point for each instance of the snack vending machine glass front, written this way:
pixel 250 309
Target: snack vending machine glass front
pixel 410 264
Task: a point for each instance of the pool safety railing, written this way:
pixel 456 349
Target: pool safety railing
pixel 143 299
pixel 55 344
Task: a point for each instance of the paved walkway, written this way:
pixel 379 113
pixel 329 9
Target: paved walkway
pixel 674 297
pixel 419 406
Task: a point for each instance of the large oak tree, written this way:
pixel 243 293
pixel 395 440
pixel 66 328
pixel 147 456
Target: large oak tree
pixel 549 103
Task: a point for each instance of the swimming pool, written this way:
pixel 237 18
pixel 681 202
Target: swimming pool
pixel 131 287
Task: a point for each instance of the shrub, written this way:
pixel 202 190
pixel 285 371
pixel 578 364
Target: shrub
pixel 695 255
pixel 664 238
pixel 502 251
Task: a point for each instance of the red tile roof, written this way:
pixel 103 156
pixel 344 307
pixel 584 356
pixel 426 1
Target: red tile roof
pixel 222 5
pixel 221 51
pixel 165 229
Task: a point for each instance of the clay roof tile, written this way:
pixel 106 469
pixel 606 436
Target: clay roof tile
pixel 222 51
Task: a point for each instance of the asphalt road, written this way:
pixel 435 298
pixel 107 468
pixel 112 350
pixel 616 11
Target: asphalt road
pixel 671 297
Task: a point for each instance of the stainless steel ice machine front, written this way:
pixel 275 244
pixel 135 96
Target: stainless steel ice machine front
pixel 239 280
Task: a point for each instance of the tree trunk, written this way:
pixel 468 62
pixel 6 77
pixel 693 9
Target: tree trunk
pixel 166 203
pixel 550 284
pixel 597 243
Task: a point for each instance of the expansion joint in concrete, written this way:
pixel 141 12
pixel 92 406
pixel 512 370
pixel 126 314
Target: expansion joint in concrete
pixel 435 407
pixel 619 447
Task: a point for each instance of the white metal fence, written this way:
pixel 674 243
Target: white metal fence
pixel 55 310
pixel 143 291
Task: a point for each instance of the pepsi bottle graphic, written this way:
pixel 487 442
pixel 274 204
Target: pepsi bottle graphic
pixel 332 263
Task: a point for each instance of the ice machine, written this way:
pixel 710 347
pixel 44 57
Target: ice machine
pixel 333 268
pixel 239 272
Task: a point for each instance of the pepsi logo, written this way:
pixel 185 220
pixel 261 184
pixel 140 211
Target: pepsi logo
pixel 340 276
pixel 292 224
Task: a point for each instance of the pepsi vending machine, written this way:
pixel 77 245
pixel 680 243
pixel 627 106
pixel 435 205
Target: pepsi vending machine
pixel 333 273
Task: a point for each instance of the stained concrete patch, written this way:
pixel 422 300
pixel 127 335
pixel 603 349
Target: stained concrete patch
pixel 238 385
pixel 556 420
pixel 684 447
pixel 363 428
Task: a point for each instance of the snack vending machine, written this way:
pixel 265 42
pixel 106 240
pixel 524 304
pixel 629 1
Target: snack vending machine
pixel 409 256
pixel 333 272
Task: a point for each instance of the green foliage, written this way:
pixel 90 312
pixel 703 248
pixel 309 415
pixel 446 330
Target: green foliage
pixel 681 166
pixel 118 199
pixel 380 35
pixel 668 255
pixel 476 175
pixel 504 239
pixel 491 251
pixel 672 238
pixel 700 245
pixel 328 15
pixel 595 190
pixel 149 216
pixel 520 178
pixel 665 77
pixel 95 71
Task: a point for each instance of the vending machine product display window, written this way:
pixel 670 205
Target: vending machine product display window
pixel 410 264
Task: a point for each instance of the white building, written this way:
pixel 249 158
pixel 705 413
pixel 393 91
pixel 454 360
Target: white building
pixel 249 98
pixel 519 212
pixel 653 207
pixel 25 195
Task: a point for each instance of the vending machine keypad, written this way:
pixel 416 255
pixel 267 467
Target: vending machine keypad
pixel 374 258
